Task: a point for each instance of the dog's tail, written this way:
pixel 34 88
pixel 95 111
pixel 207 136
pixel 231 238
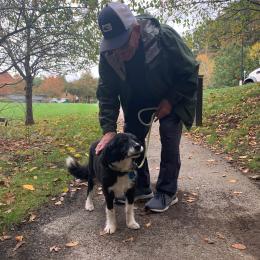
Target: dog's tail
pixel 77 170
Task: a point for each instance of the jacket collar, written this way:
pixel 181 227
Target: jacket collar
pixel 150 29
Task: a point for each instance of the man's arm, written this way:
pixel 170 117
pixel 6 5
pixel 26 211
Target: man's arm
pixel 183 67
pixel 109 105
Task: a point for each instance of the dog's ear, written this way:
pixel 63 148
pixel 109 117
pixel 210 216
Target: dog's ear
pixel 106 155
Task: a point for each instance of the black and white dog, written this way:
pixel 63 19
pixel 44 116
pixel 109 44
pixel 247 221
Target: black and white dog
pixel 114 168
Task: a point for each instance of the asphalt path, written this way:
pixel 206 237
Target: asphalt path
pixel 218 207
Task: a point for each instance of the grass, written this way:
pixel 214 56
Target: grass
pixel 231 119
pixel 35 155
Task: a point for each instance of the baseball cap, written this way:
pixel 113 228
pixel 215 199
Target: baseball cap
pixel 115 22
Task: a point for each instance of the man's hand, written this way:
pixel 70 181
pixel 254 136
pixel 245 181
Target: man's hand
pixel 104 140
pixel 164 109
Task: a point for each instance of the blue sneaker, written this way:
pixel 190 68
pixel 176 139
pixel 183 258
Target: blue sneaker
pixel 161 202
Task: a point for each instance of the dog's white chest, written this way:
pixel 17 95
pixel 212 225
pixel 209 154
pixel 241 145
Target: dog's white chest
pixel 122 184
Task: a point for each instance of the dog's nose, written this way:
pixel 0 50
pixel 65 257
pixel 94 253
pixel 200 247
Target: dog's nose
pixel 137 147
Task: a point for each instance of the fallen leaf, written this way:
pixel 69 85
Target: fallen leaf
pixel 148 224
pixel 55 248
pixel 72 244
pixel 58 203
pixel 5 183
pixel 232 181
pixel 66 189
pixel 9 198
pixel 211 160
pixel 239 246
pixel 32 217
pixel 19 238
pixel 219 235
pixel 71 149
pixel 32 169
pixel 28 187
pixel 5 237
pixel 245 170
pixel 19 244
pixel 102 233
pixel 229 158
pixel 130 239
pixel 237 192
pixel 255 177
pixel 8 211
pixel 77 155
pixel 190 199
pixel 208 240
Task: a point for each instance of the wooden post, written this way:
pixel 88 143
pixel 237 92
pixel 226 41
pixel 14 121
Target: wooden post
pixel 198 116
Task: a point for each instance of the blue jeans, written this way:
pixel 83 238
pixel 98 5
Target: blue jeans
pixel 170 133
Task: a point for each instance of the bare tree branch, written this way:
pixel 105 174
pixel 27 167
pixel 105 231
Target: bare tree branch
pixel 11 84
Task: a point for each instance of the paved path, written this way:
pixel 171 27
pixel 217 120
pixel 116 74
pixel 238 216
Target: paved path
pixel 212 214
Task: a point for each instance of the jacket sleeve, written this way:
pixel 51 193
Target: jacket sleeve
pixel 108 97
pixel 183 67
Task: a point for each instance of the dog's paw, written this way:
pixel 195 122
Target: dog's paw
pixel 110 229
pixel 133 225
pixel 89 206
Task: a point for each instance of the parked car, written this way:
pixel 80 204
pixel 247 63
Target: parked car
pixel 54 100
pixel 57 100
pixel 252 77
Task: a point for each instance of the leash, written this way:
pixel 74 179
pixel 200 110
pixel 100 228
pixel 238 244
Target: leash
pixel 149 132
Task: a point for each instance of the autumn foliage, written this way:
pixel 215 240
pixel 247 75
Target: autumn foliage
pixel 51 86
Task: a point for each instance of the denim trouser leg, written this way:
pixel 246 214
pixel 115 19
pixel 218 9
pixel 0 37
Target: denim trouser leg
pixel 170 132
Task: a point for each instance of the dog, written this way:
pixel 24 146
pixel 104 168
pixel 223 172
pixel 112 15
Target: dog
pixel 114 168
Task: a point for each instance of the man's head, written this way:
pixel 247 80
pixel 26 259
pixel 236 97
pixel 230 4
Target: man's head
pixel 120 30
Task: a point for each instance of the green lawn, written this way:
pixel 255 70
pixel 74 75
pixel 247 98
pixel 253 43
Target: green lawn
pixel 36 155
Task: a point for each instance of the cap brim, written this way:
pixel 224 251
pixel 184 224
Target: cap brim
pixel 114 43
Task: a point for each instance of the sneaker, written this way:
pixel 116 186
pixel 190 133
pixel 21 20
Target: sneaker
pixel 161 202
pixel 140 194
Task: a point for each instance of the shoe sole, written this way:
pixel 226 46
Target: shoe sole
pixel 162 210
pixel 141 197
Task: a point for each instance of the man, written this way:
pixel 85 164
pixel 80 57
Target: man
pixel 146 64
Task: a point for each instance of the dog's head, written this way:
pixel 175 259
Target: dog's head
pixel 121 152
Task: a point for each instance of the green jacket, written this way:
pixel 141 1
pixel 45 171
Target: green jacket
pixel 171 73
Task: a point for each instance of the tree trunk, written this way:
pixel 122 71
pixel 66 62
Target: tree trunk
pixel 28 99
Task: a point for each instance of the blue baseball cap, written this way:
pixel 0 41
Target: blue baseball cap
pixel 115 22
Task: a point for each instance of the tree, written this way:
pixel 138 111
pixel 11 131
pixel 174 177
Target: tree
pixel 53 86
pixel 59 36
pixel 84 88
pixel 206 68
pixel 227 65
